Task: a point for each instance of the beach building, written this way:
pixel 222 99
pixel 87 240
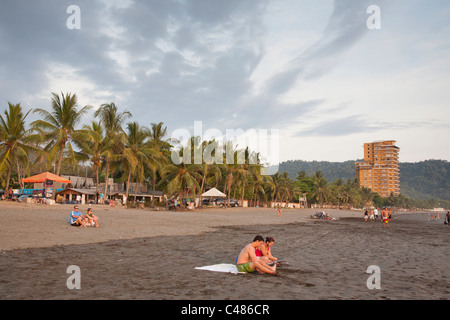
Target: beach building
pixel 380 169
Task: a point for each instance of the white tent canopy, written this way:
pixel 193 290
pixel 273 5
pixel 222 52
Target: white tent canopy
pixel 213 193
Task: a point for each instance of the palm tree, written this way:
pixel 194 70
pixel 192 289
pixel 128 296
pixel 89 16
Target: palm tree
pixel 161 148
pixel 112 121
pixel 258 181
pixel 338 191
pixel 243 170
pixel 280 185
pixel 93 147
pixel 230 169
pixel 352 194
pixel 14 139
pixel 180 178
pixel 321 190
pixel 136 153
pixel 59 126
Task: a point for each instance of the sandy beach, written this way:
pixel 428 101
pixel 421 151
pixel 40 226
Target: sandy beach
pixel 141 254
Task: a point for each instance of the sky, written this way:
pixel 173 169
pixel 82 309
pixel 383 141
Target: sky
pixel 298 79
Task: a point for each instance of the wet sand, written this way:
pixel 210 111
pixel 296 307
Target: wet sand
pixel 142 254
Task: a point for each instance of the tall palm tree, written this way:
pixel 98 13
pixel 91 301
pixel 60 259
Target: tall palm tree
pixel 338 191
pixel 243 170
pixel 93 147
pixel 209 168
pixel 136 153
pixel 59 126
pixel 280 186
pixel 180 178
pixel 321 189
pixel 259 181
pixel 112 121
pixel 161 148
pixel 14 139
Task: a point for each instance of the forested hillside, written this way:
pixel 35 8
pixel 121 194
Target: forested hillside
pixel 420 180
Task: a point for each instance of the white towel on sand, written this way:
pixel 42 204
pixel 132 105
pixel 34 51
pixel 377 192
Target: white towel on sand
pixel 221 267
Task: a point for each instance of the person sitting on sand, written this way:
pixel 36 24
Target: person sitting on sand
pixel 91 218
pixel 264 252
pixel 248 262
pixel 76 218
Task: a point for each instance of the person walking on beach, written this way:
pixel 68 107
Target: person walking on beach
pixel 279 211
pixel 371 216
pixel 366 215
pixel 248 262
pixel 385 218
pixel 447 219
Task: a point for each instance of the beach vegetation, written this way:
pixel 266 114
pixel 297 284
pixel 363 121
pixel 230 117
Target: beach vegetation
pixel 112 145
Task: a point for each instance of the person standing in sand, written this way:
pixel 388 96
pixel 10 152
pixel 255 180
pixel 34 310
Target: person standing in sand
pixel 279 211
pixel 248 262
pixel 385 218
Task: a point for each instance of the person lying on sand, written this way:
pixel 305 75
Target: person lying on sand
pixel 248 262
pixel 76 218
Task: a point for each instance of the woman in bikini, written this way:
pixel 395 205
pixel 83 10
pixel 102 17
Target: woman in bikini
pixel 91 218
pixel 263 252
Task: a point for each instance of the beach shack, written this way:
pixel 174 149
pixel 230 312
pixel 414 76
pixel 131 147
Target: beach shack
pixel 74 195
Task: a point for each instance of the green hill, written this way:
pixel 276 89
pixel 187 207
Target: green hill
pixel 423 180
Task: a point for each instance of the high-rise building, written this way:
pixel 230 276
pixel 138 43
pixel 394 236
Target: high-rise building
pixel 379 171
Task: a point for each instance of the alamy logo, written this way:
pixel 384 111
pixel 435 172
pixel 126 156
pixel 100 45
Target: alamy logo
pixel 374 281
pixel 74 20
pixel 374 20
pixel 74 281
pixel 222 148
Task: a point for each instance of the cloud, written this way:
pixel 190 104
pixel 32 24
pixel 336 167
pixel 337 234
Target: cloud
pixel 346 26
pixel 356 124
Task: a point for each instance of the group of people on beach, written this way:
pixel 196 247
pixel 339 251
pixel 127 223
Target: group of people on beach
pixel 257 257
pixel 77 219
pixel 436 217
pixel 372 215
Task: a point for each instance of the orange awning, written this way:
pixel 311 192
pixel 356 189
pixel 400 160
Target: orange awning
pixel 42 177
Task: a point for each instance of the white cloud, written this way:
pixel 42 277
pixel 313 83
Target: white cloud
pixel 309 68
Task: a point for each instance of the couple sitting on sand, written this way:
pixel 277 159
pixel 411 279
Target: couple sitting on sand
pixel 256 256
pixel 78 219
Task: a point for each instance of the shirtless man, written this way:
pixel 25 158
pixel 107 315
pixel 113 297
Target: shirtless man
pixel 385 218
pixel 248 262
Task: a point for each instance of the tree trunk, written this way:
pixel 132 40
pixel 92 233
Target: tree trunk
pixel 128 186
pixel 243 189
pixel 8 177
pixel 135 191
pixel 106 181
pixel 203 184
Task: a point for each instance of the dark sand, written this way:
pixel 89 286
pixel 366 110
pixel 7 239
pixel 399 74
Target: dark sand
pixel 327 260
